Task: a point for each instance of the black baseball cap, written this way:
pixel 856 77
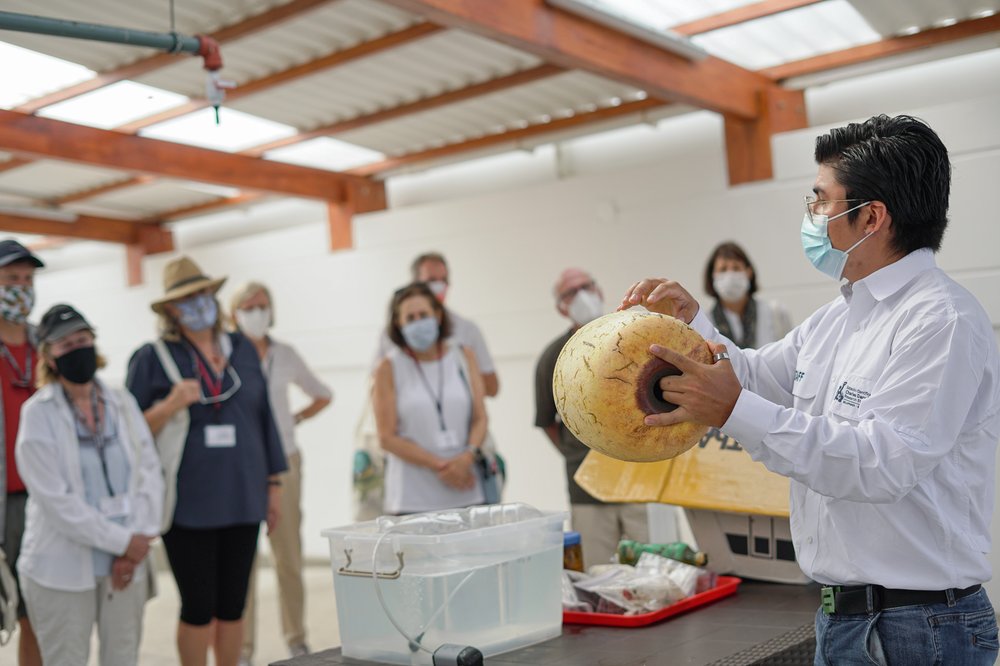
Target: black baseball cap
pixel 60 321
pixel 11 251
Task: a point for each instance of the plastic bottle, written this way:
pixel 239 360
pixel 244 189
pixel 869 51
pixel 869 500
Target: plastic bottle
pixel 629 552
pixel 572 551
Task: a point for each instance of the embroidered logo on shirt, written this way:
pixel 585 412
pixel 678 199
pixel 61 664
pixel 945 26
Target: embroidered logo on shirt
pixel 849 395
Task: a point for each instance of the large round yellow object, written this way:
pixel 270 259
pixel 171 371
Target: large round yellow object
pixel 606 381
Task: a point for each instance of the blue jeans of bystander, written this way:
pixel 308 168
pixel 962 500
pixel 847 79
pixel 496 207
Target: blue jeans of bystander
pixel 960 634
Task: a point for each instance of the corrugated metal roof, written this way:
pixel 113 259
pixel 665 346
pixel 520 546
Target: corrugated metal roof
pixel 144 200
pixel 890 17
pixel 50 179
pixel 554 97
pixel 333 27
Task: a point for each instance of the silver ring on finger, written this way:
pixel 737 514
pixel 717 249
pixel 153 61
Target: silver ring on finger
pixel 721 356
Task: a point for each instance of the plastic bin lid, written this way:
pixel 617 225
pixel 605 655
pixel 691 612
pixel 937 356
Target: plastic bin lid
pixel 571 539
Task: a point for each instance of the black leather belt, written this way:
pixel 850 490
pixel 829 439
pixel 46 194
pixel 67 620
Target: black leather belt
pixel 854 599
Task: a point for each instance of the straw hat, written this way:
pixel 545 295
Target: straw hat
pixel 181 278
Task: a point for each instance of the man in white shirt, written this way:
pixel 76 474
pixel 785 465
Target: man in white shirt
pixel 433 269
pixel 883 407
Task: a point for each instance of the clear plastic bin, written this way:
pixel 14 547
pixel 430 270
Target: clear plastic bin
pixel 487 577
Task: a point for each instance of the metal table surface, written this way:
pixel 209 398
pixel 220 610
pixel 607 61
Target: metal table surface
pixel 760 620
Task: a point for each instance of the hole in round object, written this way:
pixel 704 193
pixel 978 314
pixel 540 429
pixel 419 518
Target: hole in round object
pixel 648 394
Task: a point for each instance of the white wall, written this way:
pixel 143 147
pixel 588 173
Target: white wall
pixel 638 202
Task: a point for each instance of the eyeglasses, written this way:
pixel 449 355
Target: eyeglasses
pixel 817 206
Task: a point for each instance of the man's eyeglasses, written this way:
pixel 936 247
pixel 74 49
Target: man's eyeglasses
pixel 817 206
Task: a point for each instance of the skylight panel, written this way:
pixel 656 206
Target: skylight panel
pixel 326 153
pixel 664 14
pixel 114 105
pixel 237 130
pixel 792 35
pixel 27 74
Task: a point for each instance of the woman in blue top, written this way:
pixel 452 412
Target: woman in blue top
pixel 205 399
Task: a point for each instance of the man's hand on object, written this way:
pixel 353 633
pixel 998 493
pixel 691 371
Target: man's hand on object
pixel 663 296
pixel 185 393
pixel 704 394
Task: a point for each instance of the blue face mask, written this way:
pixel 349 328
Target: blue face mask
pixel 420 335
pixel 198 312
pixel 816 244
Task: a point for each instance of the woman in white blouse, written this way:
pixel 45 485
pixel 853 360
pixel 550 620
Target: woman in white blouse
pixel 748 321
pixel 95 502
pixel 429 409
pixel 253 315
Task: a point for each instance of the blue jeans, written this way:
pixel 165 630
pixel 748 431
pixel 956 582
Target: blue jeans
pixel 961 634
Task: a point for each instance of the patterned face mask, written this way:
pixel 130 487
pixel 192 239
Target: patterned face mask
pixel 16 302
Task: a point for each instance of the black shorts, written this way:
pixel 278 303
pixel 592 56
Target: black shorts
pixel 212 570
pixel 13 536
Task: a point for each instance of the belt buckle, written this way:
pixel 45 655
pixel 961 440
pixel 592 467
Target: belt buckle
pixel 828 596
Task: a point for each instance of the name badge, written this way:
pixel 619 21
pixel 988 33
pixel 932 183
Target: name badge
pixel 220 436
pixel 114 507
pixel 448 440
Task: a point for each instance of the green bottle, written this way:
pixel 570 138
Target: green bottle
pixel 629 552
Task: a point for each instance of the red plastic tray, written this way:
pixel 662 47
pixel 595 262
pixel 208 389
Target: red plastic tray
pixel 724 587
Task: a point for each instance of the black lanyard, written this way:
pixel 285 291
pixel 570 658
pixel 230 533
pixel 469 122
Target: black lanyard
pixel 438 399
pixel 98 432
pixel 22 378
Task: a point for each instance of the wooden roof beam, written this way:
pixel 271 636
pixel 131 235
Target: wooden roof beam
pixel 885 48
pixel 572 42
pixel 86 227
pixel 329 61
pixel 230 33
pixel 31 136
pixel 738 15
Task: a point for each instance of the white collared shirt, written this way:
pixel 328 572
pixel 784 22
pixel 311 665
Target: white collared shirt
pixel 884 410
pixel 283 366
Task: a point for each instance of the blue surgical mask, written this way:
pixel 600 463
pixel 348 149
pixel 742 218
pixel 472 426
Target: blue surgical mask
pixel 198 312
pixel 816 244
pixel 420 335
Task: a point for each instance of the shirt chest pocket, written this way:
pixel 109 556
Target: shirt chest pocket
pixel 805 386
pixel 849 395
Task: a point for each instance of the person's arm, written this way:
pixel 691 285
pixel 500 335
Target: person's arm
pixel 148 494
pixel 491 383
pixel 386 422
pixel 40 462
pixel 157 411
pixel 182 395
pixel 305 379
pixel 908 422
pixel 545 403
pixel 478 425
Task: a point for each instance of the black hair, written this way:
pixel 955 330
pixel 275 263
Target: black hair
pixel 393 329
pixel 901 162
pixel 728 250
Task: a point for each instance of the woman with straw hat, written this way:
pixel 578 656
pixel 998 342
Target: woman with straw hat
pixel 205 399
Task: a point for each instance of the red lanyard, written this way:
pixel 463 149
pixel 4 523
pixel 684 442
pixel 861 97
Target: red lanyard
pixel 213 384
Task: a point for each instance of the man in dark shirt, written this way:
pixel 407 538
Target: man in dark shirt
pixel 601 525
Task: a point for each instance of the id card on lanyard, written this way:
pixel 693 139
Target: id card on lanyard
pixel 218 435
pixel 114 506
pixel 446 440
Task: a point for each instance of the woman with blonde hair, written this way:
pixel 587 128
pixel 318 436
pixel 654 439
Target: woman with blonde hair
pixel 252 313
pixel 96 496
pixel 205 399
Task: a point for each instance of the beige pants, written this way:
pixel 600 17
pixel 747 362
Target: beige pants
pixel 286 550
pixel 601 526
pixel 63 622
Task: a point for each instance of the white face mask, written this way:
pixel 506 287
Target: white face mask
pixel 254 322
pixel 731 286
pixel 585 307
pixel 439 288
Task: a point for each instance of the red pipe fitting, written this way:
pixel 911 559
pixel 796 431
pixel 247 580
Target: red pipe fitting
pixel 209 50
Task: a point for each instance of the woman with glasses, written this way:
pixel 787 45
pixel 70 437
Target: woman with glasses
pixel 429 409
pixel 738 314
pixel 205 398
pixel 87 459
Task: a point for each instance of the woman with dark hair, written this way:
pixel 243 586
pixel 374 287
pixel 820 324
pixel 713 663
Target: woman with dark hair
pixel 429 409
pixel 205 398
pixel 748 321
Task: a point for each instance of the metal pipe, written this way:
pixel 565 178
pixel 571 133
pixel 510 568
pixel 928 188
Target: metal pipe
pixel 164 41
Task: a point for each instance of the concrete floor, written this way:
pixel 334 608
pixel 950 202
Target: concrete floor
pixel 160 625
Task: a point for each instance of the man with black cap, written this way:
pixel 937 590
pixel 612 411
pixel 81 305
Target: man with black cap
pixel 17 383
